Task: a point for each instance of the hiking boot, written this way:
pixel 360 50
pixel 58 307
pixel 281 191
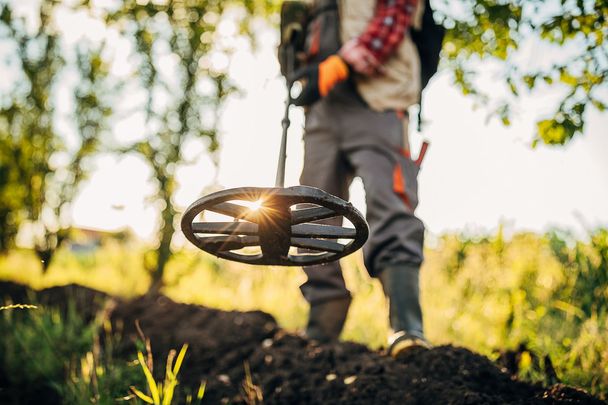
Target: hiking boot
pixel 326 319
pixel 400 285
pixel 402 342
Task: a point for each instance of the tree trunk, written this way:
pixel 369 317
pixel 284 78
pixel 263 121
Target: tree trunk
pixel 53 241
pixel 45 256
pixel 164 249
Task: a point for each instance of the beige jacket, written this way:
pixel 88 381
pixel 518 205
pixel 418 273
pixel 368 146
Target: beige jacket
pixel 399 87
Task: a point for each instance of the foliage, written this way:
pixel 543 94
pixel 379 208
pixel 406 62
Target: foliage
pixel 541 299
pixel 40 171
pixel 586 266
pixel 570 35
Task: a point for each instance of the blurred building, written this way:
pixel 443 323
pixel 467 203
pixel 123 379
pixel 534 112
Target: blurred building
pixel 89 240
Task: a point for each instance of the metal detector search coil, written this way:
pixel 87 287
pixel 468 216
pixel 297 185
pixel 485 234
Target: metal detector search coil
pixel 276 226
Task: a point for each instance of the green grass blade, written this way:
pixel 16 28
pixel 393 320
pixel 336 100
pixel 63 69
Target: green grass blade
pixel 201 391
pixel 168 391
pixel 180 359
pixel 142 396
pixel 18 306
pixel 149 378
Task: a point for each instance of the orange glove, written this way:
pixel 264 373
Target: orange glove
pixel 320 79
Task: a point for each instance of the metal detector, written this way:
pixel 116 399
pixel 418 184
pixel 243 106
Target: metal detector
pixel 275 226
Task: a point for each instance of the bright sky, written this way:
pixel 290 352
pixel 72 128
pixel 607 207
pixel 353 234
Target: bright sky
pixel 476 175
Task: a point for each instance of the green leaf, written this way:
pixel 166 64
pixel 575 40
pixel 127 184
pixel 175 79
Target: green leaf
pixel 553 133
pixel 567 78
pixel 599 105
pixel 530 81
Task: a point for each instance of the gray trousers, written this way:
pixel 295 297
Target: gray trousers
pixel 344 138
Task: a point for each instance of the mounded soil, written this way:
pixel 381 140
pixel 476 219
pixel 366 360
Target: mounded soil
pixel 289 369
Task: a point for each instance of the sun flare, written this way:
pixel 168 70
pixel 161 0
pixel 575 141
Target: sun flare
pixel 254 205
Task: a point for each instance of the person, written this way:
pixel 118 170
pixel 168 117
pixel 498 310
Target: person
pixel 360 75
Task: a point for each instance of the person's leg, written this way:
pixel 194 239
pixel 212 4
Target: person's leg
pixel 394 251
pixel 324 168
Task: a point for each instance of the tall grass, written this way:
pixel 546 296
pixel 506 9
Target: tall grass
pixel 544 294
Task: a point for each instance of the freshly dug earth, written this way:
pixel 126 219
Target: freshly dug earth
pixel 289 369
pixel 284 368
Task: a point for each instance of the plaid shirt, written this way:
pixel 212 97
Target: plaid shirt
pixel 387 29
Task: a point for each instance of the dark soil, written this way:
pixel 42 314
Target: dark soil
pixel 289 369
pixel 87 301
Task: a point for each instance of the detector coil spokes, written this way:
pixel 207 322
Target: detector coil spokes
pixel 275 226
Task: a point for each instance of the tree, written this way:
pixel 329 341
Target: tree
pixel 39 172
pixel 182 101
pixel 498 30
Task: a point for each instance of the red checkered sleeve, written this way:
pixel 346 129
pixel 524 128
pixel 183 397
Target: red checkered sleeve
pixel 387 29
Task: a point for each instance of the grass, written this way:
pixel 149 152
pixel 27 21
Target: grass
pixel 17 306
pixel 163 393
pixel 51 356
pixel 546 293
pixel 37 347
